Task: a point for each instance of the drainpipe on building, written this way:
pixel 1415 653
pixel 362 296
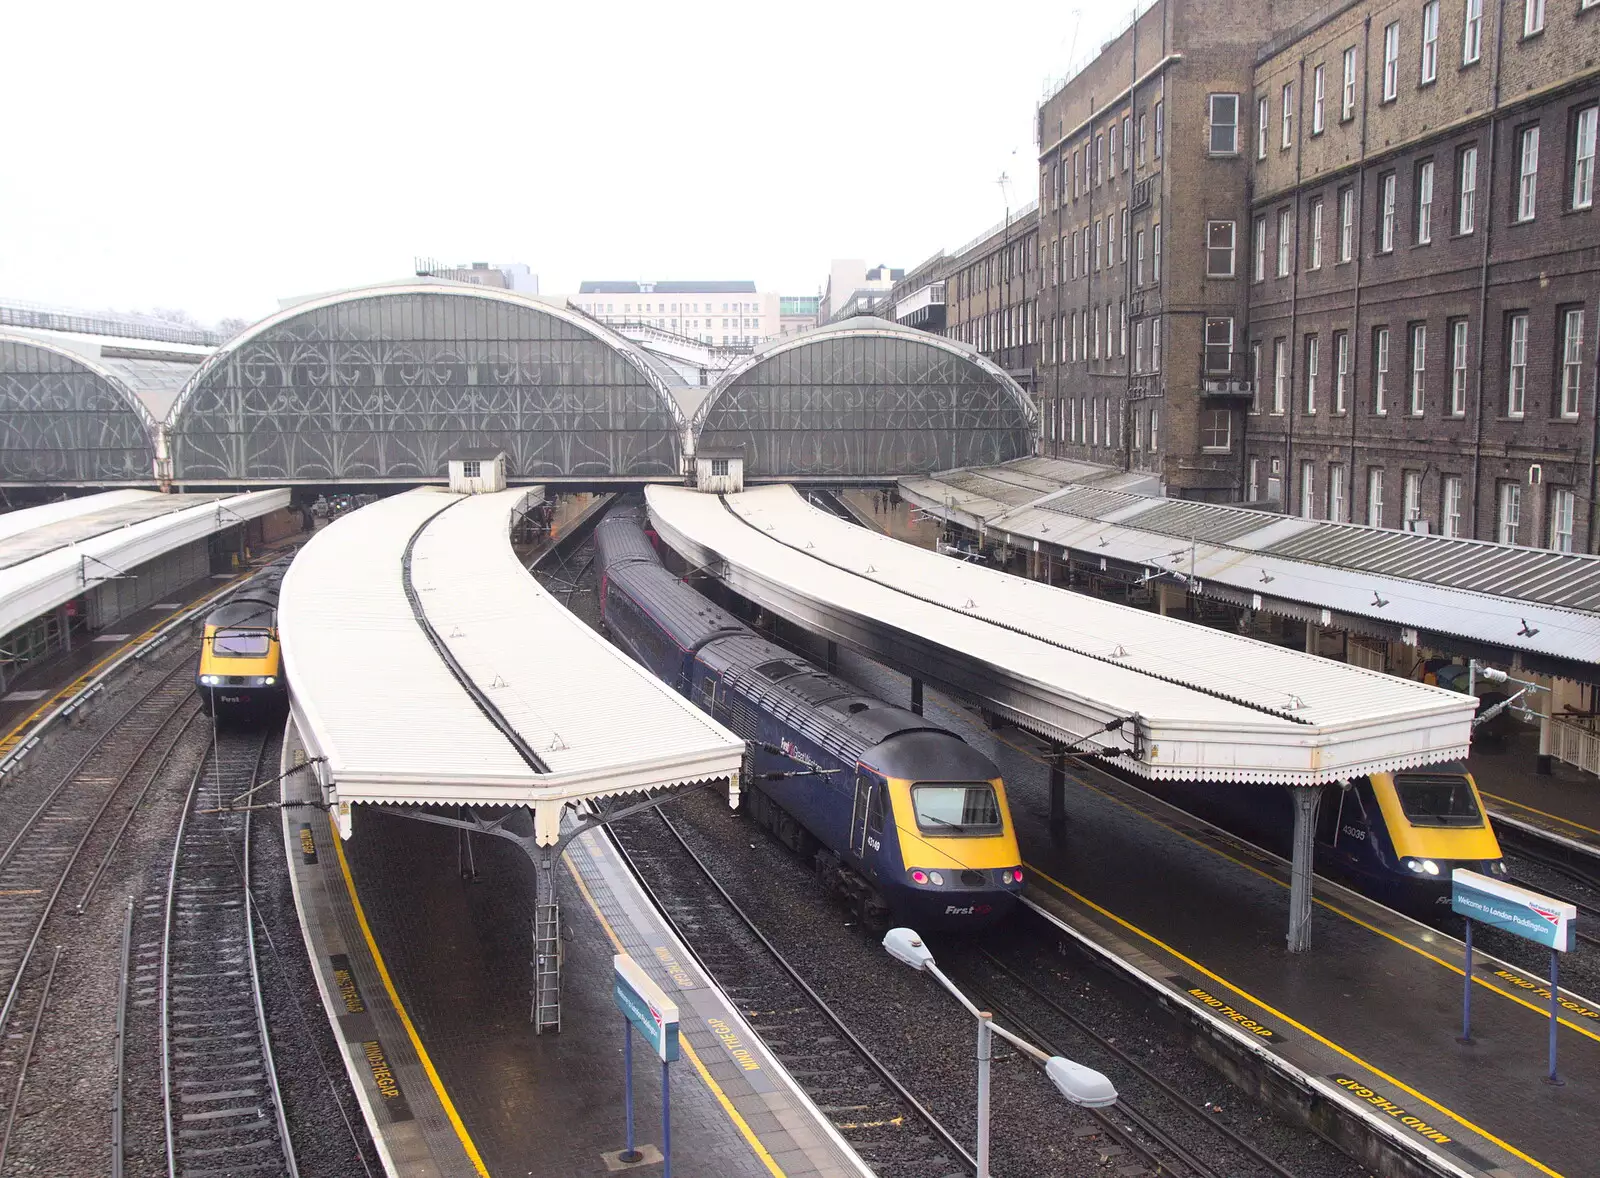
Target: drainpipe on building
pixel 1289 476
pixel 1354 407
pixel 1130 150
pixel 1594 442
pixel 1483 266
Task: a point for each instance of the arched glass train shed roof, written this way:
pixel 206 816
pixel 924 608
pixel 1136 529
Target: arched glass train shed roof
pixel 79 409
pixel 384 383
pixel 865 398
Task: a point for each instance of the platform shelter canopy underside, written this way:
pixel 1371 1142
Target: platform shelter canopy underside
pixel 1182 701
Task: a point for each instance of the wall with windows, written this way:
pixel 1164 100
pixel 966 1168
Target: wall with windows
pixel 1430 349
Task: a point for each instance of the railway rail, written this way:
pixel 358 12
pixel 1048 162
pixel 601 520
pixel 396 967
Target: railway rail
pixel 224 1111
pixel 880 1118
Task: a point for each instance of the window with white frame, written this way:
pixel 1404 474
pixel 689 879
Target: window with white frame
pixel 471 469
pixel 1458 368
pixel 719 468
pixel 1144 135
pixel 1419 368
pixel 1532 17
pixel 1411 496
pixel 1280 374
pixel 1313 364
pixel 1255 377
pixel 1583 142
pixel 1260 269
pixel 1430 41
pixel 1094 417
pixel 1124 235
pixel 1510 512
pixel 1336 492
pixel 1380 370
pixel 1527 172
pixel 1076 337
pixel 1099 159
pixel 1111 165
pixel 1224 123
pixel 1347 93
pixel 1263 117
pixel 1122 330
pixel 1287 116
pixel 1155 428
pixel 1127 143
pixel 1219 344
pixel 1285 242
pixel 1255 479
pixel 1316 100
pixel 1096 333
pixel 1450 521
pixel 1347 222
pixel 1562 502
pixel 1425 202
pixel 1341 369
pixel 1308 490
pixel 1386 212
pixel 1161 130
pixel 1571 360
pixel 1111 329
pixel 1138 431
pixel 1140 333
pixel 1138 258
pixel 1517 366
pixel 1315 244
pixel 1155 252
pixel 1216 431
pixel 1467 191
pixel 1472 32
pixel 1375 497
pixel 1391 61
pixel 1099 244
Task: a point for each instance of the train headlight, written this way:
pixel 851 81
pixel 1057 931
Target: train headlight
pixel 937 878
pixel 1414 865
pixel 209 680
pixel 1498 867
pixel 1430 867
pixel 268 681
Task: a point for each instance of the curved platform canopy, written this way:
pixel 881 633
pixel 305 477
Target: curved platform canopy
pixel 83 409
pixel 428 667
pixel 865 398
pixel 384 383
pixel 1172 698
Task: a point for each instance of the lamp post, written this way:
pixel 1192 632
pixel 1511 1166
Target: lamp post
pixel 1080 1085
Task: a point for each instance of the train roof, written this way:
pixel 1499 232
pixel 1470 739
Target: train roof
pixel 254 603
pixel 620 539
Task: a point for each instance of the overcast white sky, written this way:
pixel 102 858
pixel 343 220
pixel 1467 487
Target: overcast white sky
pixel 217 156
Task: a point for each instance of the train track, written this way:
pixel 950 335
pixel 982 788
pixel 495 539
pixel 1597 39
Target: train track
pixel 1135 1138
pixel 880 1118
pixel 224 1112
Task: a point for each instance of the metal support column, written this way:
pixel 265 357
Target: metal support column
pixel 833 657
pixel 1058 791
pixel 1306 800
pixel 1545 763
pixel 916 696
pixel 546 942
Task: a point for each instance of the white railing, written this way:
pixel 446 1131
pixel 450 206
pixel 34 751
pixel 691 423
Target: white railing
pixel 1575 745
pixel 1026 210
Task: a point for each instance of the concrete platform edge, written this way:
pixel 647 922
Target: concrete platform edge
pixel 1238 1050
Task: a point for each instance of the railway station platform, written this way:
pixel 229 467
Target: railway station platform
pixel 1562 806
pixel 1359 1033
pixel 420 955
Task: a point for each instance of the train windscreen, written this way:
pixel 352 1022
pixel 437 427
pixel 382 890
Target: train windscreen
pixel 964 808
pixel 241 643
pixel 1437 799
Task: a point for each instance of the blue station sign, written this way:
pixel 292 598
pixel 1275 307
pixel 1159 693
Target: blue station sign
pixel 1505 906
pixel 646 1006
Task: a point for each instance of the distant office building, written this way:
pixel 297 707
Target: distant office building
pixel 500 275
pixel 855 290
pixel 722 314
pixel 797 313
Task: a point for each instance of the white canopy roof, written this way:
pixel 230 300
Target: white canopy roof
pixel 560 714
pixel 52 553
pixel 1208 704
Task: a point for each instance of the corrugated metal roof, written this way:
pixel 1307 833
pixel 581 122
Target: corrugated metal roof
pixel 48 535
pixel 1211 704
pixel 26 518
pixel 55 573
pixel 379 701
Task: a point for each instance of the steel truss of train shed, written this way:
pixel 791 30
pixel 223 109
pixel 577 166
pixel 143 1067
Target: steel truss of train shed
pixel 428 669
pixel 1168 698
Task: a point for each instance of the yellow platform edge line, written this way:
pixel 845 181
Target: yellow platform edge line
pixel 1541 813
pixel 1459 971
pixel 1299 1026
pixel 405 1019
pixel 734 1115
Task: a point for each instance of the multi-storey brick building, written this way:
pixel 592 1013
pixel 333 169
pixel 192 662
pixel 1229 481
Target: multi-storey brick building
pixel 1358 254
pixel 1423 259
pixel 991 292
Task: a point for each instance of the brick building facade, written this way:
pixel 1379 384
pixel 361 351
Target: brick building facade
pixel 1264 232
pixel 991 291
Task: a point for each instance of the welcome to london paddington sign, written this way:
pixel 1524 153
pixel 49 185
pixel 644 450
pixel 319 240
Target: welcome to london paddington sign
pixel 1526 914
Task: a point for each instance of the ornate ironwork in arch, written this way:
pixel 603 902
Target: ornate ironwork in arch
pixel 385 383
pixel 65 420
pixel 866 399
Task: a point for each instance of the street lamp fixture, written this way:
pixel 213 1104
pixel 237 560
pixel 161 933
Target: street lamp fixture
pixel 1081 1086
